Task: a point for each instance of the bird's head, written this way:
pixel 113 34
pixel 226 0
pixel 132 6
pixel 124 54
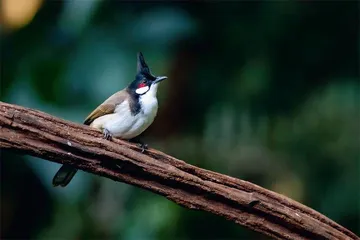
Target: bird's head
pixel 144 81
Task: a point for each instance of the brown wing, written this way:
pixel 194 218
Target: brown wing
pixel 106 107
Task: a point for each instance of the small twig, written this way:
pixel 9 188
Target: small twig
pixel 39 134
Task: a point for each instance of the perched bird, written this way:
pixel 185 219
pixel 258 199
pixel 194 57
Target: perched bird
pixel 125 114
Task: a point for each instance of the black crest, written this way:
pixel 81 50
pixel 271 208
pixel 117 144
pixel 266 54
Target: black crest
pixel 142 67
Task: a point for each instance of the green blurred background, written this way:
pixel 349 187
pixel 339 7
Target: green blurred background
pixel 263 91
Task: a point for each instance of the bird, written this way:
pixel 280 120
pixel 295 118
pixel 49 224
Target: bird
pixel 125 114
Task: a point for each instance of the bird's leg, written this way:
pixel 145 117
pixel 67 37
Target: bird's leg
pixel 142 145
pixel 107 134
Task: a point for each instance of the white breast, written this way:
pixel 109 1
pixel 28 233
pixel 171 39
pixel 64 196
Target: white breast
pixel 146 116
pixel 123 124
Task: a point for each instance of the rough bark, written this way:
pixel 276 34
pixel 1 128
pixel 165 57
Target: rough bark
pixel 38 134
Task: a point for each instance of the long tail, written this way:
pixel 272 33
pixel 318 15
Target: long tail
pixel 64 176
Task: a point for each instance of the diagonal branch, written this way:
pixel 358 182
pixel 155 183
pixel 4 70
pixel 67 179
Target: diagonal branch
pixel 38 134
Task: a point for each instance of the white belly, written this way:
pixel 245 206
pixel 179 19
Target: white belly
pixel 123 124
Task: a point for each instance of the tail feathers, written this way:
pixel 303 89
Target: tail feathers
pixel 64 176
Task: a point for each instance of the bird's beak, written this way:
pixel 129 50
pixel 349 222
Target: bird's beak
pixel 159 79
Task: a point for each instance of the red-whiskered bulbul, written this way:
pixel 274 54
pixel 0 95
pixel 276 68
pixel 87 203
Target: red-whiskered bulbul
pixel 125 114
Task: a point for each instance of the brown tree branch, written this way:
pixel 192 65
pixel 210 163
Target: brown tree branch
pixel 39 134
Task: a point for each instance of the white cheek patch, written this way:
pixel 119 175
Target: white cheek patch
pixel 142 90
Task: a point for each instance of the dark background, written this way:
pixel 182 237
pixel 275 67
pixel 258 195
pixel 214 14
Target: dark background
pixel 263 91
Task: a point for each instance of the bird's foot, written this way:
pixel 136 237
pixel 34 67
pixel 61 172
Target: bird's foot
pixel 107 134
pixel 142 145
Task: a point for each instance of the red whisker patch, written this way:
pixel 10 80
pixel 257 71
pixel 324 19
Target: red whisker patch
pixel 141 85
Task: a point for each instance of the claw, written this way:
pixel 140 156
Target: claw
pixel 143 147
pixel 107 134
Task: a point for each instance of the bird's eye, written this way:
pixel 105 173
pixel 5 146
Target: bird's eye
pixel 141 85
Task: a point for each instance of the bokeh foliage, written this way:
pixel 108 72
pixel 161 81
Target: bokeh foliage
pixel 266 91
